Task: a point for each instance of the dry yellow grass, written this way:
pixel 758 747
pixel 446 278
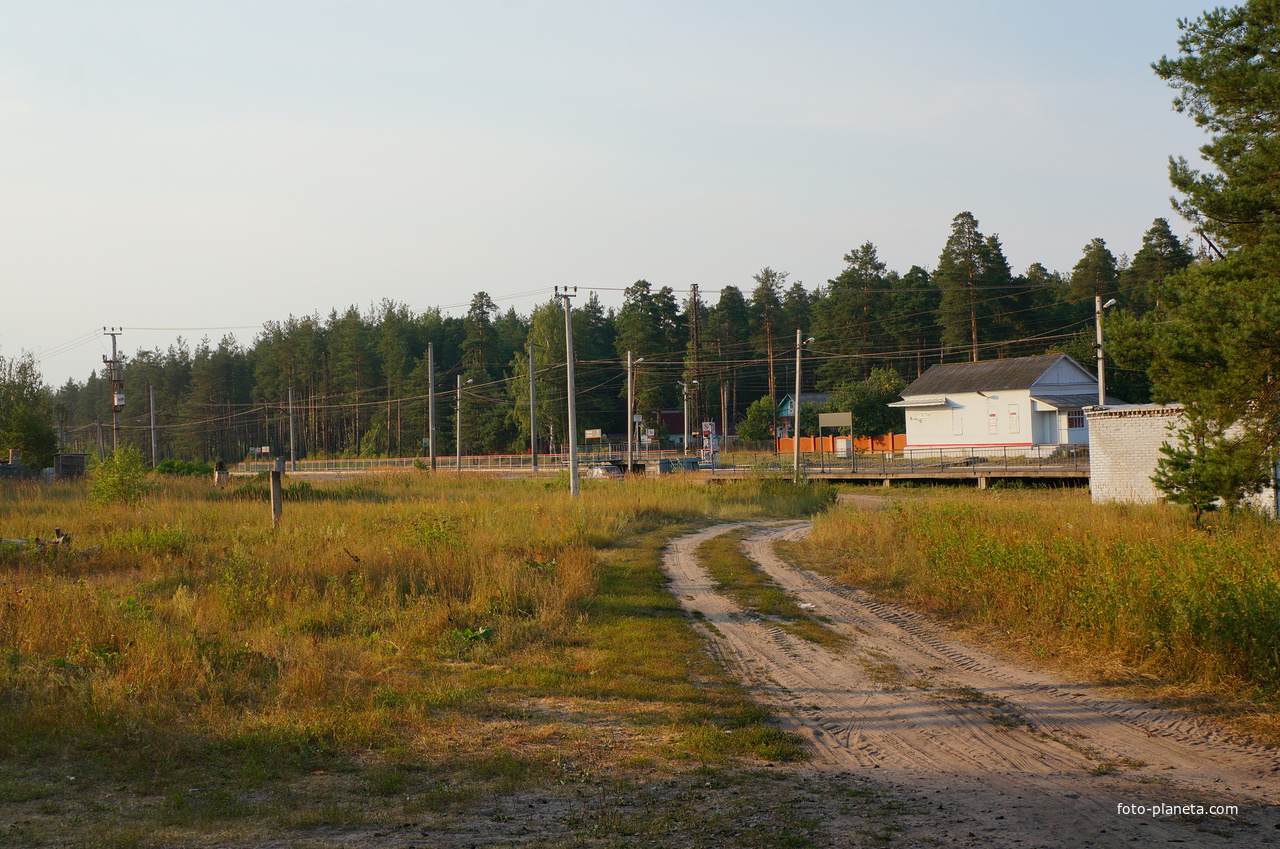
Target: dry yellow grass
pixel 1126 594
pixel 447 634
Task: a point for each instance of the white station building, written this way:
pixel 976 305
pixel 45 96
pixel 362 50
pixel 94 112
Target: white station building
pixel 1016 402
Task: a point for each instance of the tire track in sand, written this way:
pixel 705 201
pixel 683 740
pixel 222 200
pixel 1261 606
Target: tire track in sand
pixel 1017 753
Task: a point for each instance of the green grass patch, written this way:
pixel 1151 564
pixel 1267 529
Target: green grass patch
pixel 737 576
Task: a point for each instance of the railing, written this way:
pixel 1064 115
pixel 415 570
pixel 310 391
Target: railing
pixel 999 458
pixel 1040 458
pixel 449 463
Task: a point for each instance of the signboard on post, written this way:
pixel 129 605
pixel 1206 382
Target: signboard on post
pixel 835 420
pixel 595 433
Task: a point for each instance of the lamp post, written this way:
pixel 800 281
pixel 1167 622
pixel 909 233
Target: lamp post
pixel 631 409
pixel 684 390
pixel 1098 307
pixel 800 343
pixel 573 401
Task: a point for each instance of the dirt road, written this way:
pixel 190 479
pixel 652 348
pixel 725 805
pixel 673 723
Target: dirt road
pixel 991 752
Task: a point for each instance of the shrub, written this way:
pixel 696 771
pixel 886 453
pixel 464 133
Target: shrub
pixel 119 479
pixel 184 468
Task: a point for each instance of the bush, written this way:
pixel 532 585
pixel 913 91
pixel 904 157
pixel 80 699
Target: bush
pixel 184 468
pixel 119 479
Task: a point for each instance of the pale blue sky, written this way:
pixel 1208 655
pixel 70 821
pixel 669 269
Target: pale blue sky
pixel 218 164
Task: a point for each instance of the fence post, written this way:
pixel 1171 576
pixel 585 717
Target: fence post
pixel 277 499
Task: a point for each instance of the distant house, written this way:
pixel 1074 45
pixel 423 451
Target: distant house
pixel 1021 401
pixel 787 409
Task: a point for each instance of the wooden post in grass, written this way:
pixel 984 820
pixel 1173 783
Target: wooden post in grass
pixel 277 498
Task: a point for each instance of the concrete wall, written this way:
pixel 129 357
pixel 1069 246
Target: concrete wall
pixel 1124 445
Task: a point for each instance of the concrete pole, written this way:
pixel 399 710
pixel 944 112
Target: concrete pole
pixel 293 455
pixel 431 403
pixel 724 414
pixel 155 448
pixel 533 411
pixel 631 405
pixel 796 405
pixel 573 401
pixel 457 422
pixel 684 439
pixel 1102 374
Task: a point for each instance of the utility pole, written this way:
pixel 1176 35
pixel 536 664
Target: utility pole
pixel 695 343
pixel 117 397
pixel 796 403
pixel 155 450
pixel 431 403
pixel 724 415
pixel 573 403
pixel 684 392
pixel 293 456
pixel 631 405
pixel 457 426
pixel 533 411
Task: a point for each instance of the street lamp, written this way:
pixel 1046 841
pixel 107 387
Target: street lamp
pixel 1098 307
pixel 684 390
pixel 632 430
pixel 796 404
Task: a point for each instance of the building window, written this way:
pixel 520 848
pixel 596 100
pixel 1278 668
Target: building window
pixel 1075 419
pixel 957 422
pixel 1013 419
pixel 992 424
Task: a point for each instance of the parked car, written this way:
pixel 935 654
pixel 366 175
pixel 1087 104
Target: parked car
pixel 605 472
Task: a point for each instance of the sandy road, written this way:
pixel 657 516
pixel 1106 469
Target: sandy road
pixel 982 751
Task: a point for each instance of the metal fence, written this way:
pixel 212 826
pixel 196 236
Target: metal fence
pixel 997 458
pixel 449 463
pixel 1046 458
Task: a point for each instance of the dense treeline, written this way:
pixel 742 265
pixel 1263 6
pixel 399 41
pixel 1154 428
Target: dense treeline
pixel 360 379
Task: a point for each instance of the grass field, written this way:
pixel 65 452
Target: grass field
pixel 399 647
pixel 1125 594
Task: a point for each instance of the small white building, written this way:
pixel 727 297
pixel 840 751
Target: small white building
pixel 1124 448
pixel 1015 402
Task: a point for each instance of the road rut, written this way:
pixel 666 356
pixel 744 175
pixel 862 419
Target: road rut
pixel 1001 754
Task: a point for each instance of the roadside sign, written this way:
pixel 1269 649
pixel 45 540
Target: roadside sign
pixel 595 433
pixel 835 419
pixel 637 418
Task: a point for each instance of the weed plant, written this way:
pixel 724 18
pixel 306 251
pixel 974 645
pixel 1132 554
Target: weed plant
pixel 1129 589
pixel 424 636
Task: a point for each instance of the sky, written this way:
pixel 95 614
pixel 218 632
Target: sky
pixel 190 169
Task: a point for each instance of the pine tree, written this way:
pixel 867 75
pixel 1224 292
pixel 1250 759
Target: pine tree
pixel 959 275
pixel 1227 75
pixel 1161 255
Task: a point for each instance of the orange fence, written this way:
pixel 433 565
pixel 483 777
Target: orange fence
pixel 840 444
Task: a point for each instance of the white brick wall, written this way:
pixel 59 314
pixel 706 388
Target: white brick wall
pixel 1124 446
